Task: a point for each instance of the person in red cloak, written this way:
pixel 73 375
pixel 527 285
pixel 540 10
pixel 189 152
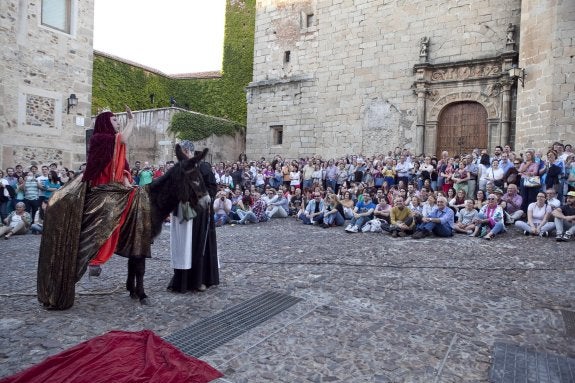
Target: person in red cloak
pixel 107 163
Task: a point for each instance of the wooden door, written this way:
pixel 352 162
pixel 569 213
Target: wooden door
pixel 462 127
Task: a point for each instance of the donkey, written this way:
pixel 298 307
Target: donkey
pixel 72 237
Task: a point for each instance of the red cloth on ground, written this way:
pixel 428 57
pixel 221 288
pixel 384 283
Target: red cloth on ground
pixel 119 357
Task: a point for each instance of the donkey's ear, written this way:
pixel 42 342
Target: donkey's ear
pixel 201 155
pixel 180 155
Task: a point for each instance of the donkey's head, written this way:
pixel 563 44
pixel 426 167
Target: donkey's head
pixel 182 183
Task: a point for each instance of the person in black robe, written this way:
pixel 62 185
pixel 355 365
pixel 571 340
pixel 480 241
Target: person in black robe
pixel 204 271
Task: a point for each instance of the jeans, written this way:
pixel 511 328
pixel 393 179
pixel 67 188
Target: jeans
pixel 334 219
pixel 360 221
pixel 247 216
pixel 306 221
pixel 436 228
pixel 277 212
pixel 499 227
pixel 560 225
pixel 221 219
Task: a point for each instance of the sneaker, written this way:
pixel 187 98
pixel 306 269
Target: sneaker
pixel 559 237
pixel 354 229
pixel 544 234
pixel 348 228
pixel 525 232
pixel 566 237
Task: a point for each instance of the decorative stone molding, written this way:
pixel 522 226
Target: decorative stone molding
pixel 466 72
pixel 489 103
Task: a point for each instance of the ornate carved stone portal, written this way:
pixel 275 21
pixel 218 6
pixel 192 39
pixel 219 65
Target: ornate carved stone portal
pixel 466 83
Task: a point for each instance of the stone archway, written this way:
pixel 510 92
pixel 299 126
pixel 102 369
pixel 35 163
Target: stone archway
pixel 462 126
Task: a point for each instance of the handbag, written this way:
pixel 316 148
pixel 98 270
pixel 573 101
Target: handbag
pixel 531 182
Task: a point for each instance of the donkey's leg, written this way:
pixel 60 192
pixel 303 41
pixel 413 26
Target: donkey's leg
pixel 131 280
pixel 140 271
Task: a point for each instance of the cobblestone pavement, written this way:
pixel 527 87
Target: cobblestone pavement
pixel 374 308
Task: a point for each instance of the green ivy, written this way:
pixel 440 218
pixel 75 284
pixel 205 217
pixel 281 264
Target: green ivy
pixel 116 83
pixel 193 126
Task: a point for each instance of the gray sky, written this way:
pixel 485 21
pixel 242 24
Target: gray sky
pixel 173 36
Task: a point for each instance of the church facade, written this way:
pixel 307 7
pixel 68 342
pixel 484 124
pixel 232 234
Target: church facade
pixel 335 77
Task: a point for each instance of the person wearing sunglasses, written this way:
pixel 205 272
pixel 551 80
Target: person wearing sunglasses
pixel 489 221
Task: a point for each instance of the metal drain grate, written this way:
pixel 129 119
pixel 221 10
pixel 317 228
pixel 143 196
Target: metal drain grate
pixel 514 364
pixel 210 333
pixel 569 320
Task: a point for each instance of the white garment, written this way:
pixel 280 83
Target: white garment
pixel 181 243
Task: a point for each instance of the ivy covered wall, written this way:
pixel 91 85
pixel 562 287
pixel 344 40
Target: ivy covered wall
pixel 116 83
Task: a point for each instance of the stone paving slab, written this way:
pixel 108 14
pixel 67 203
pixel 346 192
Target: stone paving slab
pixel 374 309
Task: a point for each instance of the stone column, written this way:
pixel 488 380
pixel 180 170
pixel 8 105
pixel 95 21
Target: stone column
pixel 505 111
pixel 420 124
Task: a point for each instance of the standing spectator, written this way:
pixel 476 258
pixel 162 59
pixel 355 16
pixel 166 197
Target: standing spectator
pixel 51 184
pixel 530 180
pixel 31 192
pixel 146 175
pixel 42 192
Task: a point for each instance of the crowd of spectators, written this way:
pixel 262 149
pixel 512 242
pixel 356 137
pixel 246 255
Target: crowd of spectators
pixel 478 193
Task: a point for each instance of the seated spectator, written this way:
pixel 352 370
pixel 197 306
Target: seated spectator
pixel 313 211
pixel 438 222
pixel 296 202
pixel 237 204
pixel 429 205
pixel 38 225
pixel 538 217
pixel 415 205
pixel 465 218
pixel 362 213
pixel 489 221
pixel 333 213
pixel 17 222
pixel 278 206
pixel 511 203
pixel 552 199
pixel 348 205
pixel 459 201
pixel 256 212
pixel 479 200
pixel 222 208
pixel 565 218
pixel 382 212
pixel 401 220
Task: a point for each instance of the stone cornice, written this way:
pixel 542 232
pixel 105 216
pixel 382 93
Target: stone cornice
pixel 280 81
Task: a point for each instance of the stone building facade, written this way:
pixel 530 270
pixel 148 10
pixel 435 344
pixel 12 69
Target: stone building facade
pixel 333 77
pixel 46 57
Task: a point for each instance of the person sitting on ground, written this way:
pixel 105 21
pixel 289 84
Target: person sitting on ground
pixel 313 211
pixel 256 212
pixel 479 200
pixel 438 222
pixel 459 201
pixel 489 221
pixel 539 219
pixel 382 212
pixel 511 203
pixel 38 225
pixel 565 218
pixel 465 218
pixel 348 205
pixel 401 220
pixel 552 199
pixel 17 222
pixel 222 208
pixel 295 203
pixel 362 213
pixel 333 213
pixel 429 205
pixel 278 207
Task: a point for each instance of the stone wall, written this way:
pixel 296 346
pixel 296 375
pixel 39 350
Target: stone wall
pixel 546 103
pixel 350 80
pixel 41 66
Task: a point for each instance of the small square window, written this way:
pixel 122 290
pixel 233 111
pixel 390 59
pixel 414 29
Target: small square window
pixel 57 14
pixel 287 56
pixel 309 20
pixel 277 134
